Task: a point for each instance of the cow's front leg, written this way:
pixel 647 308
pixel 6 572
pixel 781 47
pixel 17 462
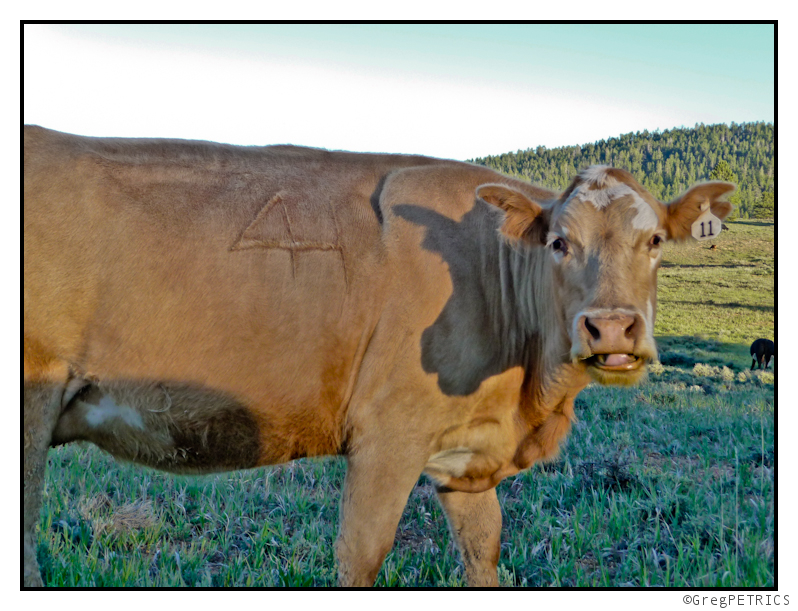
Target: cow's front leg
pixel 379 480
pixel 475 520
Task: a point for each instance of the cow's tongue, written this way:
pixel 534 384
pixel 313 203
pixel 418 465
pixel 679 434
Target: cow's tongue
pixel 615 360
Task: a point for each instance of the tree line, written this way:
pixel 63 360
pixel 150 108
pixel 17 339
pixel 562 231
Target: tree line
pixel 665 162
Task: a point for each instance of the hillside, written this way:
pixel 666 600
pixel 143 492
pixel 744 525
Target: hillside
pixel 666 163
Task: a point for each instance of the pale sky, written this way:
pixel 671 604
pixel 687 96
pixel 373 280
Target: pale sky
pixel 458 91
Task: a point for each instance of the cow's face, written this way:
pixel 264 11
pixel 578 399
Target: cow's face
pixel 604 238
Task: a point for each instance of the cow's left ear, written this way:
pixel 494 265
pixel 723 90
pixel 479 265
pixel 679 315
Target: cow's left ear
pixel 524 219
pixel 683 212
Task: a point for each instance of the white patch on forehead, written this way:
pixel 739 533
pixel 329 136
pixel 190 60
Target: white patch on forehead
pixel 645 219
pixel 601 198
pixel 610 189
pixel 97 415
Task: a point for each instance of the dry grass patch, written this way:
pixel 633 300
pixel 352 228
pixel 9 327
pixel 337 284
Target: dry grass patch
pixel 106 518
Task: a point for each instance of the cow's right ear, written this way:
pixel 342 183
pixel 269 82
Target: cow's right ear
pixel 524 219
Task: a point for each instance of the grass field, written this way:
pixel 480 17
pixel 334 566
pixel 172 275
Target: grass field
pixel 669 483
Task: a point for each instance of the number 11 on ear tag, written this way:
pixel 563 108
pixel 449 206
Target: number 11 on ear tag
pixel 706 227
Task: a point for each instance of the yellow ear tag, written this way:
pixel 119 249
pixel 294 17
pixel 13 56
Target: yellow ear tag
pixel 706 227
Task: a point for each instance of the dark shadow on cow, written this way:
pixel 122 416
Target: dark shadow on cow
pixel 450 346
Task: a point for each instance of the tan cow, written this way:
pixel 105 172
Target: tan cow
pixel 200 307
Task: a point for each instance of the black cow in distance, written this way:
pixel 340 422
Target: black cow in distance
pixel 762 350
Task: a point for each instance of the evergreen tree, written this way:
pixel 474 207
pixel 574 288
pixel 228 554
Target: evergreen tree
pixel 765 206
pixel 722 171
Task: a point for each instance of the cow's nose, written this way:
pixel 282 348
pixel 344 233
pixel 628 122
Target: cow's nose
pixel 611 333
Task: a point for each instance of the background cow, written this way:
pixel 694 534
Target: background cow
pixel 762 350
pixel 199 307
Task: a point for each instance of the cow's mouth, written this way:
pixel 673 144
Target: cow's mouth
pixel 615 362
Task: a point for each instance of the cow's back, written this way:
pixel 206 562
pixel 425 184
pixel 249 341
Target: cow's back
pixel 250 271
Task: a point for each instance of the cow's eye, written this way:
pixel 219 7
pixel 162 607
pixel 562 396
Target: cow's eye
pixel 559 245
pixel 656 240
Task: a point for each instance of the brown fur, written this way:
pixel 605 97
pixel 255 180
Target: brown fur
pixel 197 307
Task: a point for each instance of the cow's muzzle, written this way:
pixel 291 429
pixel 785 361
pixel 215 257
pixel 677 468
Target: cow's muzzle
pixel 614 345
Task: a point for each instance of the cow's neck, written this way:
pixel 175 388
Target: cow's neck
pixel 510 323
pixel 535 334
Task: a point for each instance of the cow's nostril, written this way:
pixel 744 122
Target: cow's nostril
pixel 630 330
pixel 592 329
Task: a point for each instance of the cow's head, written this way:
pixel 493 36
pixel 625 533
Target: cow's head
pixel 604 238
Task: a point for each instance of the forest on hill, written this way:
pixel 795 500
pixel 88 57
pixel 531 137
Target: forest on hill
pixel 665 162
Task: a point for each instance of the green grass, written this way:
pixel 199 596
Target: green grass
pixel 727 293
pixel 669 483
